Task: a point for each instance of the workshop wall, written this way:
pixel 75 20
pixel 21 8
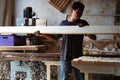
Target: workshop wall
pixel 43 9
pixel 100 13
pixel 97 12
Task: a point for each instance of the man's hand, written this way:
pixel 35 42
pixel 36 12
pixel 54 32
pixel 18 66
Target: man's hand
pixel 81 25
pixel 37 33
pixel 91 36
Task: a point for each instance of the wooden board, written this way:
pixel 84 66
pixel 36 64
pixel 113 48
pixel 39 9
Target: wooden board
pixel 30 56
pixel 95 63
pixel 99 61
pixel 56 55
pixel 115 52
pixel 61 29
pixel 12 48
pixel 59 4
pixel 104 55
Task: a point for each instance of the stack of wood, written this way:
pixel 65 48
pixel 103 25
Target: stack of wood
pixel 103 47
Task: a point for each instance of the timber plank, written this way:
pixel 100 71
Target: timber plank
pixel 11 48
pixel 30 56
pixel 61 29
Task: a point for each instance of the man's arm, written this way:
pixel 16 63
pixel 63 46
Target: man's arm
pixel 48 37
pixel 92 36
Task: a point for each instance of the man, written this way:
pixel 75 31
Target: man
pixel 72 44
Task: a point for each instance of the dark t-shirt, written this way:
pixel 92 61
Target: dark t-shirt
pixel 72 44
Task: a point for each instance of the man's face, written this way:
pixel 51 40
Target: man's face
pixel 76 14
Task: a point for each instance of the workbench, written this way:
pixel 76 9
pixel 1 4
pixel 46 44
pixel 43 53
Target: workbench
pixel 10 53
pixel 23 53
pixel 99 65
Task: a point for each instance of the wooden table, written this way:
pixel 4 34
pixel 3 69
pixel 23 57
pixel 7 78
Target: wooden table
pixel 99 65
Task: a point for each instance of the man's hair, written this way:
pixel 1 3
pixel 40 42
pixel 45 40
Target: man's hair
pixel 78 5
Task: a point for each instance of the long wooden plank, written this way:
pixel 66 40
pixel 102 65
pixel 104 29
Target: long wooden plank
pixel 11 48
pixel 2 10
pixel 115 52
pixel 30 56
pixel 78 63
pixel 31 59
pixel 61 29
pixel 96 61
